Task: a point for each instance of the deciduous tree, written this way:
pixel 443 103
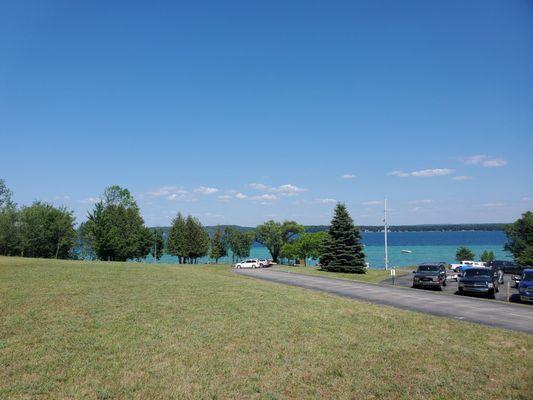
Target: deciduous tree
pixel 273 235
pixel 464 254
pixel 520 239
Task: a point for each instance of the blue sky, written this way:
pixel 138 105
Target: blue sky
pixel 241 111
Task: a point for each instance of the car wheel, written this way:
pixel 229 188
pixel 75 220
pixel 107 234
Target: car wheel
pixel 460 290
pixel 491 295
pixel 439 288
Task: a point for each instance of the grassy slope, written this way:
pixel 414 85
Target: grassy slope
pixel 110 330
pixel 372 275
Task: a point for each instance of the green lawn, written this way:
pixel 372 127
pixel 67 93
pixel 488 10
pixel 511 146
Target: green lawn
pixel 119 331
pixel 371 275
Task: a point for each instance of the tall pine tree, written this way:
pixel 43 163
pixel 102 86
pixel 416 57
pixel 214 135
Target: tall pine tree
pixel 344 251
pixel 218 247
pixel 177 244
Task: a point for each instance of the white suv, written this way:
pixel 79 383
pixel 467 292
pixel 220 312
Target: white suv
pixel 251 263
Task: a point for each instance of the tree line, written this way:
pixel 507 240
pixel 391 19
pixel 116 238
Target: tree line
pixel 115 231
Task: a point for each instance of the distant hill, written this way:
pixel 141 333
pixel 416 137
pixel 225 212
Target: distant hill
pixel 371 228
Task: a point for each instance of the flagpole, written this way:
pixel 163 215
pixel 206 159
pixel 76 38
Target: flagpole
pixel 386 244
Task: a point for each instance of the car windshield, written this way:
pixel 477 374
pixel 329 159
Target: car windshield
pixel 528 276
pixel 476 272
pixel 428 268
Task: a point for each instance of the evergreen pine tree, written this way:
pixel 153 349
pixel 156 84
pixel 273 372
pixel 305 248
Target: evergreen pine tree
pixel 218 247
pixel 197 239
pixel 177 238
pixel 344 251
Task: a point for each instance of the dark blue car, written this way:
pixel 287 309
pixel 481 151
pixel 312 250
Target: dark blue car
pixel 526 285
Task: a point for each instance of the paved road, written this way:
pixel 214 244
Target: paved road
pixel 517 317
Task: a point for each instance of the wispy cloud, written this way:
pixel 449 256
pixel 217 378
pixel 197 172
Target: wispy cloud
pixel 206 190
pixel 485 161
pixel 258 186
pixel 264 197
pixel 89 200
pixel 348 176
pixel 462 178
pixel 493 205
pixel 424 173
pixel 284 190
pixel 224 197
pixel 326 201
pixel 373 203
pixel 527 198
pixel 420 202
pixel 288 190
pixel 495 162
pixel 400 174
pixel 172 193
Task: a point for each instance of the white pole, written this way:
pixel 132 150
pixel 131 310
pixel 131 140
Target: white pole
pixel 386 244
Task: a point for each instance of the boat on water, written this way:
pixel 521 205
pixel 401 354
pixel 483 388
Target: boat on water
pixel 407 251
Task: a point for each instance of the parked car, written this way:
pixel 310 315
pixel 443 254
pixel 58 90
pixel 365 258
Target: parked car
pixel 508 267
pixel 430 275
pixel 479 280
pixel 250 263
pixel 465 264
pixel 525 289
pixel 263 263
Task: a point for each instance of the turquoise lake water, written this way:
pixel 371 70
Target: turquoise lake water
pixel 425 247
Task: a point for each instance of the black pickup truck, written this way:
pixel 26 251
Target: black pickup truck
pixel 479 280
pixel 430 275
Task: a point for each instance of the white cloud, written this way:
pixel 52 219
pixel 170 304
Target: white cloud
pixel 493 205
pixel 224 197
pixel 172 193
pixel 476 159
pixel 264 197
pixel 421 202
pixel 372 203
pixel 181 197
pixel 241 196
pixel 462 178
pixel 348 176
pixel 89 200
pixel 288 190
pixel 258 186
pixel 495 162
pixel 326 201
pixel 424 173
pixel 283 190
pixel 213 216
pixel 206 190
pixel 400 174
pixel 166 191
pixel 485 161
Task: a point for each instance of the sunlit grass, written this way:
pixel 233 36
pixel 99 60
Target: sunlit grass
pixel 119 331
pixel 371 275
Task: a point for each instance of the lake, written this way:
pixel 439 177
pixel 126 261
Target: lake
pixel 425 247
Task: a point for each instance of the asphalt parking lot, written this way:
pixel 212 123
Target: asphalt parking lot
pixel 507 290
pixel 500 314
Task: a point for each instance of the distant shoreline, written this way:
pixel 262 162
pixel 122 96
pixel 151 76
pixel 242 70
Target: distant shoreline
pixel 392 228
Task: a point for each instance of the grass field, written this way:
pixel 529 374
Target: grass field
pixel 371 275
pixel 119 331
